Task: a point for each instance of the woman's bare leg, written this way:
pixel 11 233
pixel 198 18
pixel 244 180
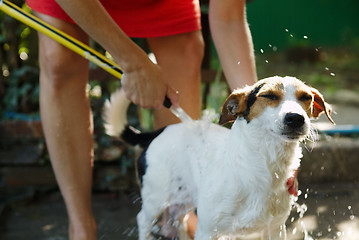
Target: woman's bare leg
pixel 67 122
pixel 180 57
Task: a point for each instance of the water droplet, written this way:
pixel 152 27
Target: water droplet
pixel 305 37
pixel 352 217
pixel 6 73
pixel 349 207
pixel 332 74
pixel 267 61
pixel 286 30
pixel 239 62
pixel 24 56
pixel 291 35
pixel 262 51
pixel 327 68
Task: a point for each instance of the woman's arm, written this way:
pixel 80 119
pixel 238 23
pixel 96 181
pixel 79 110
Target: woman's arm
pixel 142 80
pixel 233 41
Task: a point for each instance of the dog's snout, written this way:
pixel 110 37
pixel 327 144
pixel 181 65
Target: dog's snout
pixel 294 120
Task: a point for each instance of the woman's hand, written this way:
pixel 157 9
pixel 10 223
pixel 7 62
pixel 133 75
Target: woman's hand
pixel 144 85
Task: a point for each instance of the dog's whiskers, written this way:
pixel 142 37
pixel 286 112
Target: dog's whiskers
pixel 313 134
pixel 311 137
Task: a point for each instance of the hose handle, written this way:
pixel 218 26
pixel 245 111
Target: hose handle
pixel 167 103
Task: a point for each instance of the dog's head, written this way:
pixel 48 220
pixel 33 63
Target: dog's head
pixel 282 106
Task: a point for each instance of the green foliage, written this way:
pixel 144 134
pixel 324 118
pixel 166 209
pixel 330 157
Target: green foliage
pixel 323 81
pixel 334 69
pixel 22 91
pixel 19 88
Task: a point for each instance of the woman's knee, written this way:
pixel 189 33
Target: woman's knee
pixel 182 50
pixel 58 64
pixel 61 68
pixel 194 48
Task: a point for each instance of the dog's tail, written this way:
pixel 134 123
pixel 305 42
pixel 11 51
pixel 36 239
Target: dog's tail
pixel 116 125
pixel 114 114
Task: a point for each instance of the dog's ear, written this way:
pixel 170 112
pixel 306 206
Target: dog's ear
pixel 233 107
pixel 320 106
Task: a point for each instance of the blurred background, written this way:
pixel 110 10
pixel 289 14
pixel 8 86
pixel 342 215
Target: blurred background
pixel 316 41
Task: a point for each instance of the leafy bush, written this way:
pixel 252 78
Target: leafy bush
pixel 19 74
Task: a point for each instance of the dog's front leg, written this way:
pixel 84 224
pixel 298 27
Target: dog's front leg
pixel 206 227
pixel 144 226
pixel 203 234
pixel 277 232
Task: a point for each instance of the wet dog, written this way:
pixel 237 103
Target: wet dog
pixel 235 178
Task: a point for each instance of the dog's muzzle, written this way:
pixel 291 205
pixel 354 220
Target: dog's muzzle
pixel 294 125
pixel 294 120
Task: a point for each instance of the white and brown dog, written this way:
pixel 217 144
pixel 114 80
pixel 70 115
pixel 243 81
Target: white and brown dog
pixel 236 178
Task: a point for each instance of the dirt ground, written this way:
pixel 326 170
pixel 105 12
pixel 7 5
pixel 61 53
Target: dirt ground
pixel 332 213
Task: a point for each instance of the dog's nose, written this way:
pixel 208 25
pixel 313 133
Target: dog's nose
pixel 294 120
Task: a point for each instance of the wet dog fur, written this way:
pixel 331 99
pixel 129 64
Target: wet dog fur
pixel 235 178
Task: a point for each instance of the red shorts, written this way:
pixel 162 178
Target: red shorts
pixel 139 18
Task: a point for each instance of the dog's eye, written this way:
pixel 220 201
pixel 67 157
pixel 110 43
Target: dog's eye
pixel 305 97
pixel 270 96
